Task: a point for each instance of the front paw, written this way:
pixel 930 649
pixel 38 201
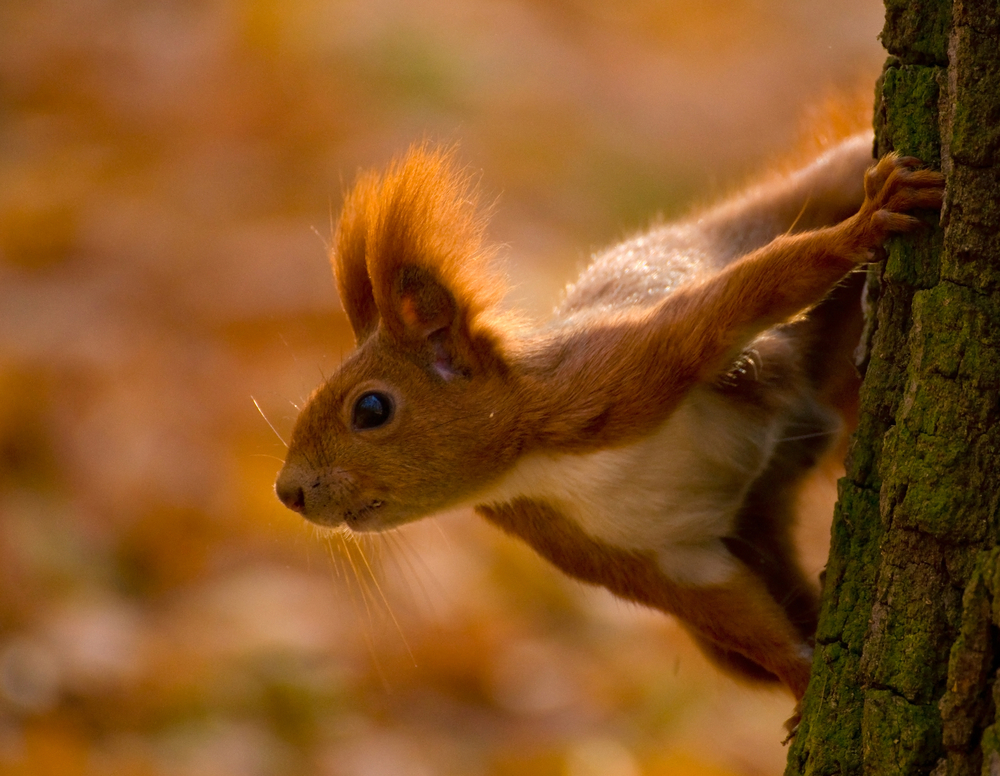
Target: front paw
pixel 894 187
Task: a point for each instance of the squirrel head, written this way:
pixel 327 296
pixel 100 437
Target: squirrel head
pixel 423 413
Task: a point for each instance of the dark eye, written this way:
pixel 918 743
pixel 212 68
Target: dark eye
pixel 371 410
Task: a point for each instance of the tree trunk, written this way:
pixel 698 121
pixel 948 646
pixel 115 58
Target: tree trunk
pixel 905 675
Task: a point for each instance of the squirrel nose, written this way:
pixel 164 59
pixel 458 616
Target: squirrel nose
pixel 291 495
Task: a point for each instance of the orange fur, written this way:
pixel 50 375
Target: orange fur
pixel 739 616
pixel 412 233
pixel 727 319
pixel 610 395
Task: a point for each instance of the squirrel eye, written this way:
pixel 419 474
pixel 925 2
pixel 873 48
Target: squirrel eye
pixel 371 410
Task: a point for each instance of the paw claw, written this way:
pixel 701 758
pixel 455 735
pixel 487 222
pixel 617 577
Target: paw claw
pixel 894 186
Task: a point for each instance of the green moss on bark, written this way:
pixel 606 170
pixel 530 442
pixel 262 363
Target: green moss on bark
pixel 910 99
pixel 905 675
pixel 898 736
pixel 917 31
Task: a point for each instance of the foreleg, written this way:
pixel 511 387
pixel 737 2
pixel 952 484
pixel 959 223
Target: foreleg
pixel 617 379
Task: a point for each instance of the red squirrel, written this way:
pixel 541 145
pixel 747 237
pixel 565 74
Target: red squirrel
pixel 651 436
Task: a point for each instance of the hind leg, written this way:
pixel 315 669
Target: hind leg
pixel 735 664
pixel 763 533
pixel 741 617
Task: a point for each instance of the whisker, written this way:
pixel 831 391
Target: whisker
pixel 388 606
pixel 802 212
pixel 266 455
pixel 393 541
pixel 809 436
pixel 326 539
pixel 357 576
pixel 255 404
pixel 444 534
pixel 350 543
pixel 454 420
pixel 354 591
pixel 411 573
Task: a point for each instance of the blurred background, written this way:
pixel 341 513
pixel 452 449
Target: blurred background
pixel 169 172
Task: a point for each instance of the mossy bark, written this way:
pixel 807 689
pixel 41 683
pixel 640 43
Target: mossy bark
pixel 905 675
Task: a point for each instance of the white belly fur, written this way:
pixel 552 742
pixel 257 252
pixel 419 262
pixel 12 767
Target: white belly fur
pixel 675 493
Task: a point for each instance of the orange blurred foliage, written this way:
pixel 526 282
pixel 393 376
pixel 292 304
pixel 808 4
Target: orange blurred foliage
pixel 168 176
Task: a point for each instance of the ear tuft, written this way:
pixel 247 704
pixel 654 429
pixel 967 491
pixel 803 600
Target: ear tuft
pixel 348 257
pixel 410 249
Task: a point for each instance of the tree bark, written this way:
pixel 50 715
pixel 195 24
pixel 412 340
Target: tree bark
pixel 905 675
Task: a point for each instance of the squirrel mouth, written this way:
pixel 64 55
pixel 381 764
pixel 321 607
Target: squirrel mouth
pixel 353 516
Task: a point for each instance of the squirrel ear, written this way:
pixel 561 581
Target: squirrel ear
pixel 427 271
pixel 348 257
pixel 423 305
pixel 428 318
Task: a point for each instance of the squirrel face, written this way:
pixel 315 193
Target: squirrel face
pixel 425 411
pixel 370 454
